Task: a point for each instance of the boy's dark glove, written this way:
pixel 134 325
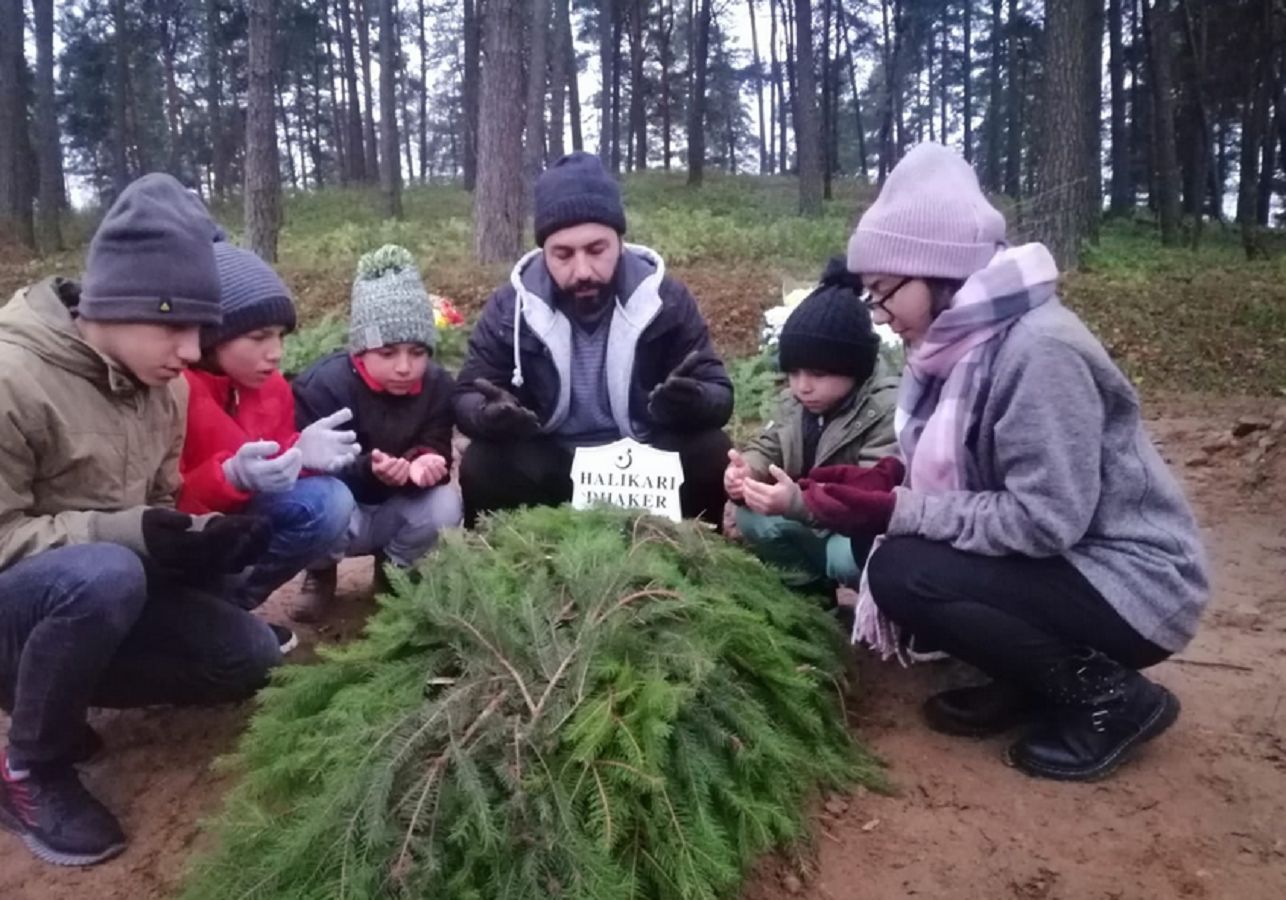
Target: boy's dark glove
pixel 680 394
pixel 215 543
pixel 501 415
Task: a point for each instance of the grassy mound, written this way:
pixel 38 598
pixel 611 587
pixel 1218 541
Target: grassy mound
pixel 580 705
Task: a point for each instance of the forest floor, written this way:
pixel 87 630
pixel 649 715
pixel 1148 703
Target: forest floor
pixel 1200 814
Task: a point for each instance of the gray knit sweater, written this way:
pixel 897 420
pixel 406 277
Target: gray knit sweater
pixel 1059 464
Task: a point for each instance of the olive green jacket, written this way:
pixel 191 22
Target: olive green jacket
pixel 860 435
pixel 84 447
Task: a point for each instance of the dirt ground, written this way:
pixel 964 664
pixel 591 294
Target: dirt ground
pixel 1201 813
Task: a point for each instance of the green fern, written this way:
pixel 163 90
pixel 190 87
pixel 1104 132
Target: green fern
pixel 595 705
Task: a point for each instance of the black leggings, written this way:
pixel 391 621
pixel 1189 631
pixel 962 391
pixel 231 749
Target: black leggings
pixel 538 472
pixel 1011 616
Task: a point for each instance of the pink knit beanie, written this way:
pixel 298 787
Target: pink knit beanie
pixel 930 220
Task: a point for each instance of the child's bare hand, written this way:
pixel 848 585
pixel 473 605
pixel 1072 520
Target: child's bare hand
pixel 771 499
pixel 734 477
pixel 391 470
pixel 428 469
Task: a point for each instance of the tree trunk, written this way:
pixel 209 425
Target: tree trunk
pixel 390 157
pixel 783 160
pixel 1062 172
pixel 534 130
pixel 214 100
pixel 863 168
pixel 15 213
pixel 1093 211
pixel 606 15
pixel 808 138
pixel 498 213
pixel 666 51
pixel 764 164
pixel 827 108
pixel 890 89
pixel 1122 189
pixel 49 150
pixel 362 10
pixel 573 92
pixel 1268 161
pixel 618 23
pixel 356 145
pixel 1014 113
pixel 560 71
pixel 1159 24
pixel 120 98
pixel 424 96
pixel 638 111
pixel 470 92
pixel 1198 45
pixel 697 102
pixel 263 180
pixel 1254 123
pixel 967 78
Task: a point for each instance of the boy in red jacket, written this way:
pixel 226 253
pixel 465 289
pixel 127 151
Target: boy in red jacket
pixel 242 451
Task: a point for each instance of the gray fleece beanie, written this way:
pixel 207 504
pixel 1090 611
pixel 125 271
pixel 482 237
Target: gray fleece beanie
pixel 390 304
pixel 152 259
pixel 930 220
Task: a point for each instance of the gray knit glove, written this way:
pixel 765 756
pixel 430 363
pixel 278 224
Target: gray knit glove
pixel 324 448
pixel 256 468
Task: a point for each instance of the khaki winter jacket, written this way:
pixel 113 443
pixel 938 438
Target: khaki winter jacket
pixel 80 439
pixel 859 436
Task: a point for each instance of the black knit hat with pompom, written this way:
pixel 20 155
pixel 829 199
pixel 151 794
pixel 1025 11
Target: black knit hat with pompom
pixel 830 331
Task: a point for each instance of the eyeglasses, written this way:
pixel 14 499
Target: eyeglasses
pixel 870 301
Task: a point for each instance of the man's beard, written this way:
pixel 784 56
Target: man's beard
pixel 587 306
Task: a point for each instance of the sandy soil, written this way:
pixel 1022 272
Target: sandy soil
pixel 1201 813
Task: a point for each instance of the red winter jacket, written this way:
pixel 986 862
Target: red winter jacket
pixel 222 417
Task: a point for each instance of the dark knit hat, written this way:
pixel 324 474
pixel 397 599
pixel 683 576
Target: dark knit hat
pixel 151 259
pixel 575 190
pixel 253 296
pixel 830 330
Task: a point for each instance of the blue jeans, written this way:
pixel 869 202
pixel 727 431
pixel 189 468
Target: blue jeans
pixel 309 522
pixel 806 555
pixel 85 625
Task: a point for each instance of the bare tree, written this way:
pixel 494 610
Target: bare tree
pixel 697 102
pixel 15 210
pixel 49 152
pixel 424 96
pixel 1014 125
pixel 1063 168
pixel 863 168
pixel 561 71
pixel 966 76
pixel 498 203
pixel 638 112
pixel 120 97
pixel 1160 25
pixel 470 90
pixel 764 166
pixel 356 138
pixel 362 10
pixel 390 159
pixel 1122 188
pixel 262 177
pixel 665 40
pixel 214 99
pixel 808 137
pixel 534 132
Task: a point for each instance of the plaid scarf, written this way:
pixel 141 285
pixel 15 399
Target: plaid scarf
pixel 946 376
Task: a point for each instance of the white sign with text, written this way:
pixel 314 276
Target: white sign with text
pixel 629 475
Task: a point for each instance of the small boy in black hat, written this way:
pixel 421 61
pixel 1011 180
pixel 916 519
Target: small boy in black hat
pixel 838 411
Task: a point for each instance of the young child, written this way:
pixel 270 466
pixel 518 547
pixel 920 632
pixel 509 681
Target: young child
pixel 242 453
pixel 838 410
pixel 401 404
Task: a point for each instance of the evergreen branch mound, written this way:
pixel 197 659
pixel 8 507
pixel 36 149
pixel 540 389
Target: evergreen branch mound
pixel 593 705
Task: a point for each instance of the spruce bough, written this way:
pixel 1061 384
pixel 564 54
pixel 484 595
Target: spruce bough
pixel 591 705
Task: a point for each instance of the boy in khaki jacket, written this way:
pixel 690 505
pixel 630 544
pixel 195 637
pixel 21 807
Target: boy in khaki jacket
pixel 838 411
pixel 97 569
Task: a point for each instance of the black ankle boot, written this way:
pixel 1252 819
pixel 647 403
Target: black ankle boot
pixel 1102 712
pixel 980 710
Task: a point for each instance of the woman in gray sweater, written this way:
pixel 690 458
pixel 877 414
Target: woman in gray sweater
pixel 1035 532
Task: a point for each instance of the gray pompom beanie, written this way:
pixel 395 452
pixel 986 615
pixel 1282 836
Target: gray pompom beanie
pixel 930 220
pixel 390 304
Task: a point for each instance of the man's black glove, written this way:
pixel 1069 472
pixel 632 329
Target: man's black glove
pixel 200 544
pixel 501 415
pixel 680 394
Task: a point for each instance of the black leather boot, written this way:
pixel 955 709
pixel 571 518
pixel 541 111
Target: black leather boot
pixel 979 710
pixel 1101 712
